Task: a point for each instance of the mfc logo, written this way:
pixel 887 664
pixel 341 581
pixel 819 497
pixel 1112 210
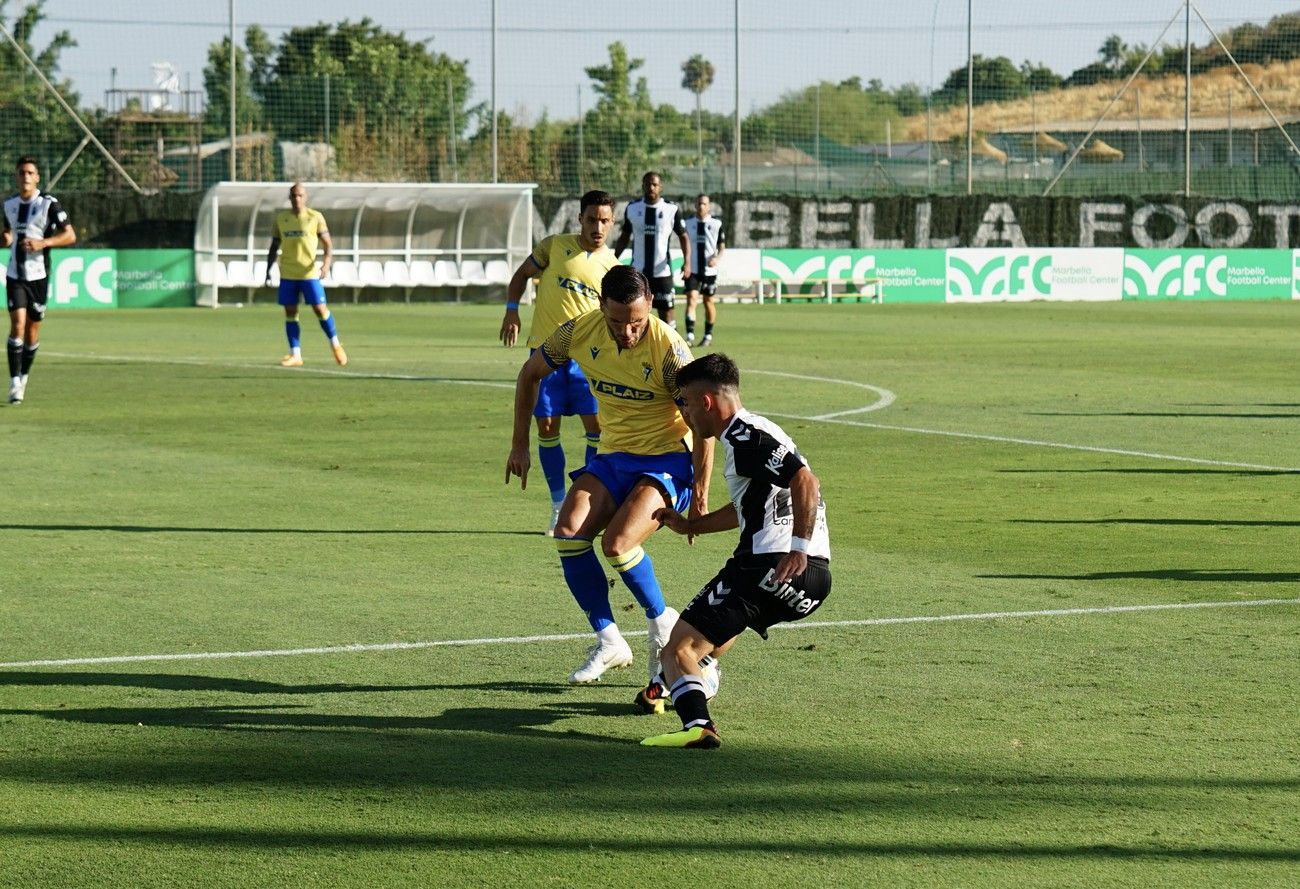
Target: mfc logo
pixel 84 281
pixel 1176 275
pixel 1009 274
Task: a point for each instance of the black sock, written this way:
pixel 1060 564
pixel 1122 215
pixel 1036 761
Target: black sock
pixel 708 328
pixel 15 357
pixel 690 325
pixel 29 355
pixel 690 702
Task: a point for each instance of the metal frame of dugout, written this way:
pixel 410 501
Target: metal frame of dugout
pixel 398 235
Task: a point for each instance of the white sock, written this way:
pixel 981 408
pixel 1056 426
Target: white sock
pixel 609 635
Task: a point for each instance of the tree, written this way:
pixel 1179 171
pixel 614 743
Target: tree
pixel 697 76
pixel 388 104
pixel 1112 52
pixel 995 80
pixel 622 141
pixel 31 119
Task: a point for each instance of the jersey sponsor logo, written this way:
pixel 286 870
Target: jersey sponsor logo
pixel 778 457
pixel 595 352
pixel 574 286
pixel 618 390
pixel 795 598
pixel 740 433
pixel 646 370
pixel 718 594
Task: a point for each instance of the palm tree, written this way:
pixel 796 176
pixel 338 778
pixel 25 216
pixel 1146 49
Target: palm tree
pixel 697 76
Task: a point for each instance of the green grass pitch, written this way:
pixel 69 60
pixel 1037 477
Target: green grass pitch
pixel 170 491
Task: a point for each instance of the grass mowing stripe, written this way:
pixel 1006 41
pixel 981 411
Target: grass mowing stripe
pixel 887 398
pixel 568 637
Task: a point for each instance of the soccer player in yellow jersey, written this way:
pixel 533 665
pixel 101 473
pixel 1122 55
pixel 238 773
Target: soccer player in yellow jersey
pixel 648 459
pixel 295 234
pixel 570 267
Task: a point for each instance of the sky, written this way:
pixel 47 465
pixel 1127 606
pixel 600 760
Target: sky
pixel 542 48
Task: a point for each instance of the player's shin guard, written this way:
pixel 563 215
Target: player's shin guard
pixel 15 357
pixel 293 332
pixel 327 325
pixel 550 453
pixel 638 573
pixel 691 702
pixel 29 355
pixel 586 579
pixel 593 444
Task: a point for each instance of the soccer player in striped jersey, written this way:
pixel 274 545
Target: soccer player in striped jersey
pixel 34 222
pixel 571 267
pixel 647 460
pixel 648 225
pixel 780 570
pixel 708 241
pixel 295 234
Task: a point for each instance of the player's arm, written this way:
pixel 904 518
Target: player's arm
pixel 702 461
pixel 7 239
pixel 529 380
pixel 624 236
pixel 63 234
pixel 327 244
pixel 805 495
pixel 722 248
pixel 680 228
pixel 273 252
pixel 515 292
pixel 724 519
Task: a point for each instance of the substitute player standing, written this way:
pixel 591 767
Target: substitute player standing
pixel 571 268
pixel 648 224
pixel 780 570
pixel 34 223
pixel 708 241
pixel 299 230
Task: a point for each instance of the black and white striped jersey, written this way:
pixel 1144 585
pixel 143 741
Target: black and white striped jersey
pixel 760 462
pixel 706 237
pixel 40 217
pixel 652 227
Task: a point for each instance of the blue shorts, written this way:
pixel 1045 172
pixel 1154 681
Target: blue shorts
pixel 310 289
pixel 620 472
pixel 565 392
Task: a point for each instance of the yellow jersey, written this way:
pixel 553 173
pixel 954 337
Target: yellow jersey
pixel 570 284
pixel 636 389
pixel 299 237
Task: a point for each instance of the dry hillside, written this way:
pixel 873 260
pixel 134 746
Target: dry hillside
pixel 1161 99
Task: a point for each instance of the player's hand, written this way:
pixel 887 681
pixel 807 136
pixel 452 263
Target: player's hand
pixel 671 519
pixel 713 262
pixel 517 464
pixel 33 245
pixel 510 328
pixel 791 565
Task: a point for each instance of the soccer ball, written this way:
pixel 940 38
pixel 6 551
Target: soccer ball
pixel 711 673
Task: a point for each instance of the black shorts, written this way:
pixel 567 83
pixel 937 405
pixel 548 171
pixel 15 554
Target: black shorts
pixel 662 291
pixel 705 285
pixel 29 295
pixel 740 596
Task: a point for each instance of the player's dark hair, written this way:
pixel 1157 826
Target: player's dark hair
pixel 705 195
pixel 714 370
pixel 28 159
pixel 624 284
pixel 648 174
pixel 595 198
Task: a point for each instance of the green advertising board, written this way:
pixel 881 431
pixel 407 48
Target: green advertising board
pixel 907 276
pixel 155 278
pixel 1207 274
pixel 107 279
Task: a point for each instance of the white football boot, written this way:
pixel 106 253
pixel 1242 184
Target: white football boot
pixel 602 657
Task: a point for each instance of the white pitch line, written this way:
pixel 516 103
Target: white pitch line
pixel 836 417
pixel 567 637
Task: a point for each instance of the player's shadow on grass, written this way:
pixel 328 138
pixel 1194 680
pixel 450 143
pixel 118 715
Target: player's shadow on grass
pixel 507 721
pixel 186 529
pixel 1207 523
pixel 1196 575
pixel 186 682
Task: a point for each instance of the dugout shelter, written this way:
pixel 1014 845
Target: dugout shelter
pixel 413 236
